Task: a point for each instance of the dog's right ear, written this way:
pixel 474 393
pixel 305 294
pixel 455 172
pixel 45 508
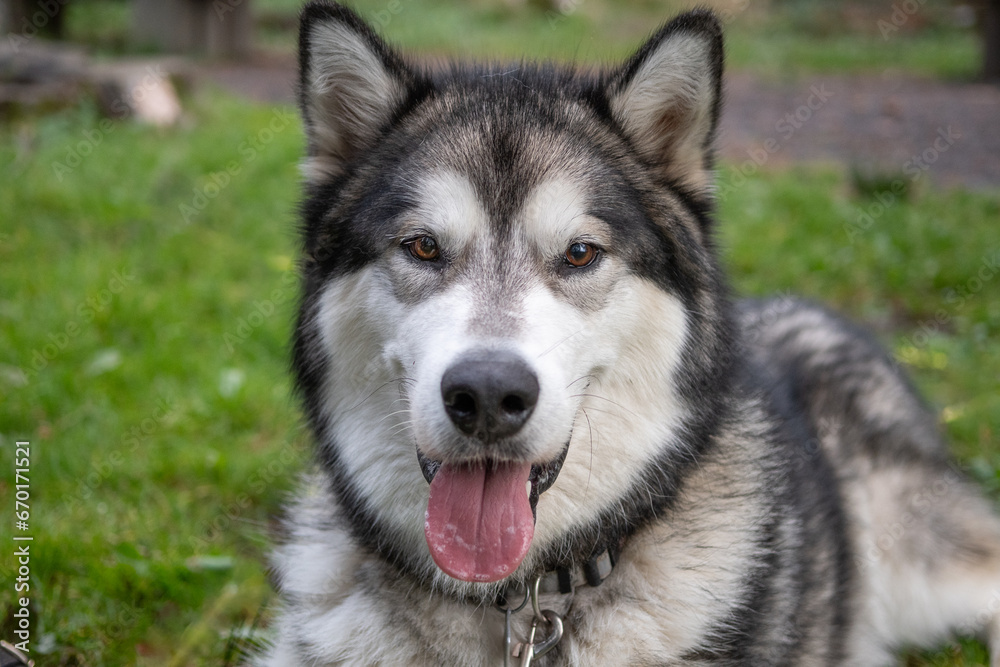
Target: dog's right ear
pixel 350 86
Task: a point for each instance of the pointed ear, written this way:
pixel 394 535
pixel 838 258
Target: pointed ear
pixel 666 98
pixel 350 86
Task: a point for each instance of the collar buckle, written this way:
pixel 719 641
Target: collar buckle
pixel 565 580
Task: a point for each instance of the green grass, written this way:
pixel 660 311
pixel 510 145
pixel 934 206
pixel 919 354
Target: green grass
pixel 158 441
pixel 162 446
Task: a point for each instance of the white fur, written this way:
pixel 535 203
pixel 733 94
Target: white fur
pixel 448 209
pixel 555 215
pixel 623 417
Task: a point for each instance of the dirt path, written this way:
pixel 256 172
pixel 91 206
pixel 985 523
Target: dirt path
pixel 947 132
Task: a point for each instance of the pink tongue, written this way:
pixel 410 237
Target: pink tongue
pixel 479 523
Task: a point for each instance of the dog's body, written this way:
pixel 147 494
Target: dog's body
pixel 518 357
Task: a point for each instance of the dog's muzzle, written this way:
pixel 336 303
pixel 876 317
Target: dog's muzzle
pixel 480 516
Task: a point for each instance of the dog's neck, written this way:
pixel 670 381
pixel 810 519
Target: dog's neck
pixel 567 578
pixel 564 579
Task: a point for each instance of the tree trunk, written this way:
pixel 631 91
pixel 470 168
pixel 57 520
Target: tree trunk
pixel 222 28
pixel 30 17
pixel 990 20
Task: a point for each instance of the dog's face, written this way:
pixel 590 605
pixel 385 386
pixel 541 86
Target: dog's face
pixel 509 293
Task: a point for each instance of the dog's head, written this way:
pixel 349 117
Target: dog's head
pixel 512 313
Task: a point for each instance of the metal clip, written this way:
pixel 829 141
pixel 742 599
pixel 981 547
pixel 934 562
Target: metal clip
pixel 509 611
pixel 526 650
pixel 529 650
pixel 555 633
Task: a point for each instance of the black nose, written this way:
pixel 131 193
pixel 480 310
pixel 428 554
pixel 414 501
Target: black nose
pixel 489 395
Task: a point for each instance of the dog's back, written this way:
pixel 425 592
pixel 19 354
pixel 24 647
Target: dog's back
pixel 924 543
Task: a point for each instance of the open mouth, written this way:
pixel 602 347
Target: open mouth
pixel 481 515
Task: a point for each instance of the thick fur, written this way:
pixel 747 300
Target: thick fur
pixel 778 493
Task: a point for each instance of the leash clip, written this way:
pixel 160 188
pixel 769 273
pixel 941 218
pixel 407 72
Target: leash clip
pixel 529 650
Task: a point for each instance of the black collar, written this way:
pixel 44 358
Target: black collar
pixel 593 572
pixel 565 579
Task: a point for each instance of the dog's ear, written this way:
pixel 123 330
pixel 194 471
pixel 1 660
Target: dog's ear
pixel 666 98
pixel 350 86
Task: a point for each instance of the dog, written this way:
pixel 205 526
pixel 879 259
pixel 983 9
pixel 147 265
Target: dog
pixel 545 433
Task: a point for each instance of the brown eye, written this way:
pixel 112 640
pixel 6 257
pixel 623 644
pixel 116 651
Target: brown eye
pixel 424 248
pixel 580 254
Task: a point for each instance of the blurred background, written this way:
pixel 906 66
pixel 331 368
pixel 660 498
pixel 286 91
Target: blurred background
pixel 148 186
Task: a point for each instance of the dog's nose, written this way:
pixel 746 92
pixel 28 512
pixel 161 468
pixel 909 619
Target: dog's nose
pixel 489 395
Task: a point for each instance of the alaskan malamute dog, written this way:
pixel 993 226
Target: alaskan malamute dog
pixel 545 434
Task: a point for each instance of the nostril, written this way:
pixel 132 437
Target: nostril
pixel 462 403
pixel 513 404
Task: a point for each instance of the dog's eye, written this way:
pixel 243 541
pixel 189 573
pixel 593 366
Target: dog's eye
pixel 424 248
pixel 580 254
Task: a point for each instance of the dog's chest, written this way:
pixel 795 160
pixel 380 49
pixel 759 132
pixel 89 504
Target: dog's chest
pixel 655 608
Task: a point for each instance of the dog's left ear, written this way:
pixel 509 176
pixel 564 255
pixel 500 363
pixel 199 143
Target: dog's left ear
pixel 666 98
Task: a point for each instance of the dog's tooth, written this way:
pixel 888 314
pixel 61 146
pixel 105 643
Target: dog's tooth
pixel 527 487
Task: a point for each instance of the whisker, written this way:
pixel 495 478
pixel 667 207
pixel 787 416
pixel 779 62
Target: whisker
pixel 606 412
pixel 558 343
pixel 376 390
pixel 400 381
pixel 590 469
pixel 582 377
pixel 391 414
pixel 399 429
pixel 614 403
